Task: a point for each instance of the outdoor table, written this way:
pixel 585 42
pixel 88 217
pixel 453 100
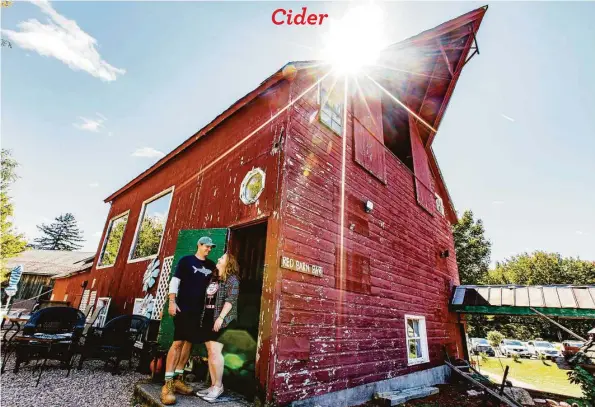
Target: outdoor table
pixel 45 342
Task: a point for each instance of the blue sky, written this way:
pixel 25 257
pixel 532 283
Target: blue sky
pixel 517 143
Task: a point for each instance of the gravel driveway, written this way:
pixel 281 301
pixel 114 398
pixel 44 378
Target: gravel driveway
pixel 91 386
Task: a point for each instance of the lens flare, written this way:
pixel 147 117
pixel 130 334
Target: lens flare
pixel 355 40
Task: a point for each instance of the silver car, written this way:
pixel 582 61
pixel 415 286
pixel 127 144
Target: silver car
pixel 509 347
pixel 544 348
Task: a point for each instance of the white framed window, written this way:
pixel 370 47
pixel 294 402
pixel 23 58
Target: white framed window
pixel 151 227
pixel 439 204
pixel 417 340
pixel 112 241
pixel 331 101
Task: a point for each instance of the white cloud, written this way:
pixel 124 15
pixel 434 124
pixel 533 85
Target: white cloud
pixel 110 134
pixel 497 202
pixel 64 40
pixel 97 234
pixel 148 152
pixel 507 117
pixel 580 232
pixel 94 185
pixel 87 124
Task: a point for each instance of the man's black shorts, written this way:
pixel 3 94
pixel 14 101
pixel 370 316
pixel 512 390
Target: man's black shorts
pixel 187 327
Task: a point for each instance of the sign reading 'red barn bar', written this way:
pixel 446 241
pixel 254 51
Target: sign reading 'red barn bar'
pixel 295 178
pixel 301 266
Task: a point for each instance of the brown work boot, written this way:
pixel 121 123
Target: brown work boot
pixel 181 387
pixel 167 393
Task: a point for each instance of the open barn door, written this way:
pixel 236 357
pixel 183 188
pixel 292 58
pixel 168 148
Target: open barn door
pixel 186 245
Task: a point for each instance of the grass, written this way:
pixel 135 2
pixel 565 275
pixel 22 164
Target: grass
pixel 548 378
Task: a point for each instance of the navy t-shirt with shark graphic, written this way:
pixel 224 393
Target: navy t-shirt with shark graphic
pixel 194 275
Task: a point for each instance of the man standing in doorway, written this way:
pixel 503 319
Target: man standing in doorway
pixel 186 300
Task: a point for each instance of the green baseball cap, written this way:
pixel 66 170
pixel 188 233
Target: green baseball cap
pixel 207 241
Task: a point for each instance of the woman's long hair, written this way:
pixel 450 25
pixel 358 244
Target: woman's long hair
pixel 232 268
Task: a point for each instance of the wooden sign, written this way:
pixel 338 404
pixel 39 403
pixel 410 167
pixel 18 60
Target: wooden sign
pixel 300 266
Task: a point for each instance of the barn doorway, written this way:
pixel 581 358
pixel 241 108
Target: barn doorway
pixel 248 245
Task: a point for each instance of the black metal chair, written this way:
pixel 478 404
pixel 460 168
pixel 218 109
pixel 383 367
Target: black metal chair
pixel 114 341
pixel 50 333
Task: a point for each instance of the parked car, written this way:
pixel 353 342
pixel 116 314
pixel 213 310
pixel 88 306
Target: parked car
pixel 569 348
pixel 544 348
pixel 508 347
pixel 479 345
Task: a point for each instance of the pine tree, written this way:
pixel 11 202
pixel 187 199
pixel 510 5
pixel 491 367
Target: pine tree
pixel 473 249
pixel 63 234
pixel 11 242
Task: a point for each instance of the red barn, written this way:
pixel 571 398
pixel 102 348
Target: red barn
pixel 329 193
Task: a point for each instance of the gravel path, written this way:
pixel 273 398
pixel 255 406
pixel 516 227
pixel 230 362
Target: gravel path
pixel 91 386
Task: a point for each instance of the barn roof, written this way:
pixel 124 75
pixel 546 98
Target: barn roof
pixel 50 262
pixel 427 80
pixel 553 300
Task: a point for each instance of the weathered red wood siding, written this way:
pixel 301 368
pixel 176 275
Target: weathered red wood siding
pixel 330 338
pixel 207 201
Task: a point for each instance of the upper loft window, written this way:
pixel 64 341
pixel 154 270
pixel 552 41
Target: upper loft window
pixel 396 130
pixel 439 205
pixel 417 340
pixel 151 225
pixel 113 240
pixel 331 100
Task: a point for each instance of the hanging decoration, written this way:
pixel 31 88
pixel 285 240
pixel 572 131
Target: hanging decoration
pixel 252 186
pixel 147 306
pixel 151 275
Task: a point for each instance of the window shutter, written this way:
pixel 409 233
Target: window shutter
pixel 423 180
pixel 368 136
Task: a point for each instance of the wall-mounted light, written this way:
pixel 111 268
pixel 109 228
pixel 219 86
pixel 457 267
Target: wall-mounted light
pixel 369 206
pixel 444 254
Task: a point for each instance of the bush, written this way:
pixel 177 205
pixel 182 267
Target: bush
pixel 494 338
pixel 515 357
pixel 584 379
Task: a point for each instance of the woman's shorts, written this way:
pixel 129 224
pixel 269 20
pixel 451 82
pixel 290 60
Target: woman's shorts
pixel 209 335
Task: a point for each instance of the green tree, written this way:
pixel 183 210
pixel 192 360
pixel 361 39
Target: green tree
pixel 472 249
pixel 149 237
pixel 542 268
pixel 63 234
pixel 113 242
pixel 539 268
pixel 11 242
pixel 494 338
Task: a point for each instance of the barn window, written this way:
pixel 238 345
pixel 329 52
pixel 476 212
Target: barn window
pixel 112 241
pixel 331 100
pixel 150 227
pixel 439 205
pixel 417 340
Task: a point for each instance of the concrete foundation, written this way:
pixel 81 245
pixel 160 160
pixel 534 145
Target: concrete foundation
pixel 361 394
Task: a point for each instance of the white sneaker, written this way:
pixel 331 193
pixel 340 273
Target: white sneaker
pixel 204 392
pixel 213 394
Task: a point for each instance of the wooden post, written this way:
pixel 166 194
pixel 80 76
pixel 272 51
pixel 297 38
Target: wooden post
pixel 504 380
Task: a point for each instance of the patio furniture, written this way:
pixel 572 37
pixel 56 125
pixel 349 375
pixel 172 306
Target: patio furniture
pixel 115 341
pixel 50 333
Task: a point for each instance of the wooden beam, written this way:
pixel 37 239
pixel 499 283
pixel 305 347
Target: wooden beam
pixel 446 61
pixel 449 91
pixel 503 399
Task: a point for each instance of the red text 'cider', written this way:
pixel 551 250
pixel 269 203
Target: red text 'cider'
pixel 282 16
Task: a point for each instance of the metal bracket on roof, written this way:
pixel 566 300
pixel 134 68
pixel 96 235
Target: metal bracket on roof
pixel 474 48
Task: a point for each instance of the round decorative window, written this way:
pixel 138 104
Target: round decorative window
pixel 252 186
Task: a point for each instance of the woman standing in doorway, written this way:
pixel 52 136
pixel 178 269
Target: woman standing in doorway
pixel 220 314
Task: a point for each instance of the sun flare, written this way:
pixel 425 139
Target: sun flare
pixel 355 40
